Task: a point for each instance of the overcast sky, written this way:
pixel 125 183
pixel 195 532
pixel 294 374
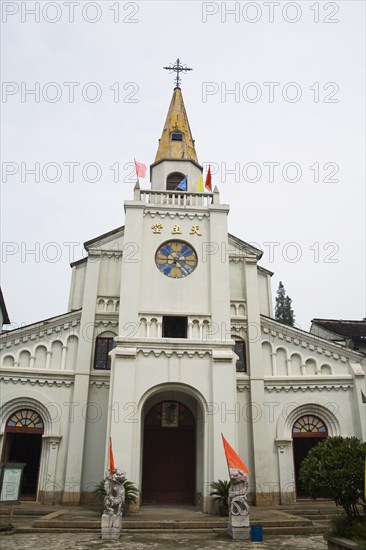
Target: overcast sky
pixel 291 133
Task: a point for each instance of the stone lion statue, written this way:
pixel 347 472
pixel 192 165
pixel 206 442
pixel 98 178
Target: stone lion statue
pixel 115 491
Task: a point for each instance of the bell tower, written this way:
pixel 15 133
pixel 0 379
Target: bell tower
pixel 174 347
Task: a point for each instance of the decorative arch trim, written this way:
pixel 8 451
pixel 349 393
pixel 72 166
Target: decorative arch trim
pixel 20 403
pixel 184 388
pixel 321 411
pixel 282 348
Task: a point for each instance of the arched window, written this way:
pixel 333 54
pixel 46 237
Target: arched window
pixel 239 349
pixel 309 426
pixel 25 419
pixel 173 180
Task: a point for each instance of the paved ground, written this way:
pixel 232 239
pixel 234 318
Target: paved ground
pixel 179 541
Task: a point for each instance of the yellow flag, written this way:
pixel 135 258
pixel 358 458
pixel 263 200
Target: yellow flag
pixel 199 184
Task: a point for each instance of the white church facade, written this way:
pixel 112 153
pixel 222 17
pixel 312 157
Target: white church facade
pixel 169 342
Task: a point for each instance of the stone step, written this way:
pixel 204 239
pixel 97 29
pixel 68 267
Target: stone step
pixel 17 511
pixel 313 511
pixel 326 522
pixel 305 530
pixel 277 530
pixel 316 517
pixel 167 524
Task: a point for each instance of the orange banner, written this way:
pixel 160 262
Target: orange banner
pixel 233 459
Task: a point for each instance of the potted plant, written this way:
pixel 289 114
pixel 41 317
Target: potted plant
pixel 336 467
pixel 131 494
pixel 220 492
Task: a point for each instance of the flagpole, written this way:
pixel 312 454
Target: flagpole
pixel 137 176
pixel 227 462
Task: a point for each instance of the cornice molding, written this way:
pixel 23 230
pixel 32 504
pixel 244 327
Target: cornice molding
pixel 99 384
pixel 181 214
pixel 171 352
pixel 236 259
pixel 173 344
pixel 99 252
pixel 286 388
pixel 242 386
pixel 106 319
pixel 24 380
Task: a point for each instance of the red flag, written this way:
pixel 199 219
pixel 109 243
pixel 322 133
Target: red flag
pixel 233 459
pixel 208 183
pixel 111 458
pixel 140 169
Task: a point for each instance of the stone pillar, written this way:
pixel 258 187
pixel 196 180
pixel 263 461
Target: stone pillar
pixel 63 357
pixel 285 470
pixel 226 413
pixel 274 363
pixel 359 385
pixel 50 492
pixel 289 365
pixel 262 459
pixel 76 408
pixel 122 421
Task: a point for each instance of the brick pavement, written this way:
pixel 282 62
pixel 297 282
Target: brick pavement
pixel 154 541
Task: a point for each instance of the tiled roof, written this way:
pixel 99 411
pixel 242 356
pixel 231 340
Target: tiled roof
pixel 346 328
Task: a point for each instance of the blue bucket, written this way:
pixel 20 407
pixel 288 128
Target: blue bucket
pixel 256 533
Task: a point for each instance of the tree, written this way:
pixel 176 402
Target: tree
pixel 336 467
pixel 283 310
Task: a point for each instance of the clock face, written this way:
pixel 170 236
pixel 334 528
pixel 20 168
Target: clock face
pixel 176 259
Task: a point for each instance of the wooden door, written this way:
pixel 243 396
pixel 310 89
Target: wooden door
pixel 169 460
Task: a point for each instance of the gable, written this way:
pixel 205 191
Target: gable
pixel 107 241
pixel 237 246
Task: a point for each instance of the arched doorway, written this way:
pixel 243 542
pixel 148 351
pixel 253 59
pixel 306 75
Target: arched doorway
pixel 169 454
pixel 307 432
pixel 23 443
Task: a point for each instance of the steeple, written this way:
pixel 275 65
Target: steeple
pixel 176 158
pixel 176 141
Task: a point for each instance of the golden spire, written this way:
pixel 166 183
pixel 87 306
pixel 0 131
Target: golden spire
pixel 176 140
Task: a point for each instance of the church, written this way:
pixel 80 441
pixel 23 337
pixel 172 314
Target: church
pixel 168 342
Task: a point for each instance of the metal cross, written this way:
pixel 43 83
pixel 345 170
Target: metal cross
pixel 177 68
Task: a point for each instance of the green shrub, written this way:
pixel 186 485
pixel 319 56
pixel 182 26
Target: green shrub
pixel 220 491
pixel 336 467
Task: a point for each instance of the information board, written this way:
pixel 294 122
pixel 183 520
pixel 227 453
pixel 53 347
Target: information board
pixel 10 480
